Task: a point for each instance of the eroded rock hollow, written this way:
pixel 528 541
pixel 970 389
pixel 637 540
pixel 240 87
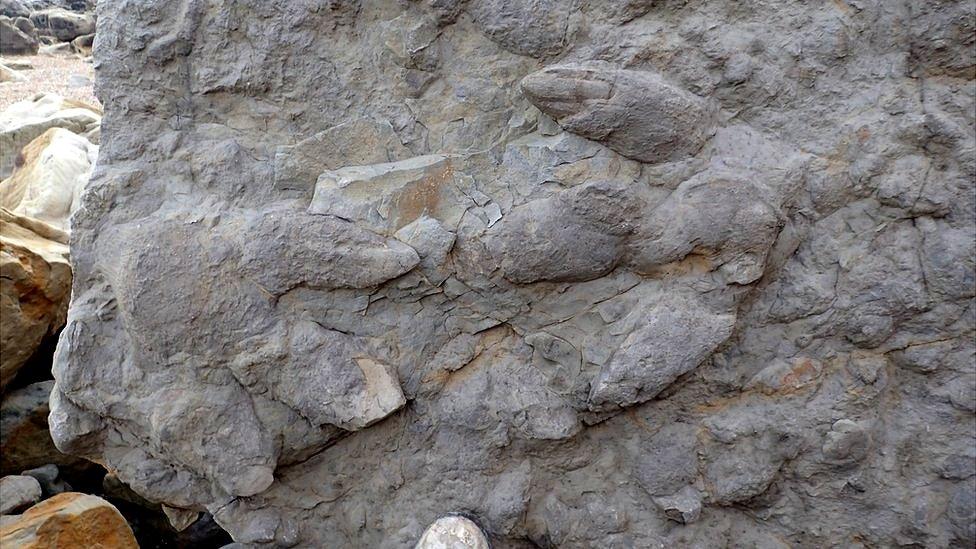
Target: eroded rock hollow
pixel 591 273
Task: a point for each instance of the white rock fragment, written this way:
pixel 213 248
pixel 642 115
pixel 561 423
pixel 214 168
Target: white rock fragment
pixel 453 533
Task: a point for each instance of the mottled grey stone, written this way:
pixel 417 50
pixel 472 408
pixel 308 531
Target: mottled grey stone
pixel 63 24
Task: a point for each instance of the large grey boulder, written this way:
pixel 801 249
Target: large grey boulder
pixel 591 273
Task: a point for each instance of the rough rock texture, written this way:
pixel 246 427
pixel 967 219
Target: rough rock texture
pixel 594 273
pixel 35 285
pixel 69 520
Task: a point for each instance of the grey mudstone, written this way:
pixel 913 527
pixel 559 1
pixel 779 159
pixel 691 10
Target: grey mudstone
pixel 961 512
pixel 537 28
pixel 743 471
pixel 386 197
pixel 346 268
pixel 667 462
pixel 360 141
pixel 558 239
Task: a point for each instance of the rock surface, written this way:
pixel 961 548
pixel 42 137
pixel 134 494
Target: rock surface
pixel 15 39
pixel 51 174
pixel 18 492
pixel 9 75
pixel 23 122
pixel 593 273
pixel 49 478
pixel 69 520
pixel 62 24
pixel 35 285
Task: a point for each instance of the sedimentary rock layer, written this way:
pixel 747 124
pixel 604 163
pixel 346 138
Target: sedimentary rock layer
pixel 592 273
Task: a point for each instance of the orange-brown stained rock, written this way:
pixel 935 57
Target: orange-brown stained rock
pixel 35 284
pixel 69 521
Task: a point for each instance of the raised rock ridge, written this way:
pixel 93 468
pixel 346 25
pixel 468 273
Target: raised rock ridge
pixel 590 273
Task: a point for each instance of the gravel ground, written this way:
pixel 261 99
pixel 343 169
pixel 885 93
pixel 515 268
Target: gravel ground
pixel 70 76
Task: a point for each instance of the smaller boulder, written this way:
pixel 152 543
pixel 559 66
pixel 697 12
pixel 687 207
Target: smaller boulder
pixel 17 493
pixel 63 24
pixel 52 48
pixel 83 44
pixel 14 41
pixel 25 441
pixel 25 25
pixel 69 520
pixel 19 64
pixel 49 477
